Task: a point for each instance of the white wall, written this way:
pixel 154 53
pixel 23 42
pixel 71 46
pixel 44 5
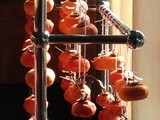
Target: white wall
pixel 146 61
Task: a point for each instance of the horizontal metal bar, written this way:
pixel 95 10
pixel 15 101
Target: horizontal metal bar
pixel 87 39
pixel 134 39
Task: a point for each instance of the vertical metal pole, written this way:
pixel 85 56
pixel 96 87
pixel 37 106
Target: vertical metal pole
pixel 40 60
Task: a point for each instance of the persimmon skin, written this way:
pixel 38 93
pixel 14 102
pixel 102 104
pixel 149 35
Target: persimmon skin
pixel 105 115
pixel 62 14
pixel 103 99
pixel 29 104
pixel 115 75
pixel 29 17
pixel 133 92
pixel 102 115
pixel 68 61
pixel 72 19
pixel 65 84
pixel 62 26
pixel 66 55
pixel 27 59
pixel 29 26
pixel 66 23
pixel 30 77
pixel 75 18
pixel 83 109
pixel 78 65
pixel 50 5
pixel 63 59
pixel 106 62
pixel 116 108
pixel 29 7
pixel 119 83
pixel 72 94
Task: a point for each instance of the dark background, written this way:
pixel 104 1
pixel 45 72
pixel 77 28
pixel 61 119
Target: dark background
pixel 13 89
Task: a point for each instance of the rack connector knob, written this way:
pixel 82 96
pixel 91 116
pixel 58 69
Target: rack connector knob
pixel 40 39
pixel 135 39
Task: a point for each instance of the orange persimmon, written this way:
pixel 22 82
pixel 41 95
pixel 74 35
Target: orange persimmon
pixel 30 77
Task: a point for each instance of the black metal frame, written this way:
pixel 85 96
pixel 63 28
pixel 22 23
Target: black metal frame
pixel 133 39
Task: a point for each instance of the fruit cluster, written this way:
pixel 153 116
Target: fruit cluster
pixel 75 66
pixel 27 58
pixel 76 91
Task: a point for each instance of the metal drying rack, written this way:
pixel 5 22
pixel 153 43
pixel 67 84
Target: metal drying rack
pixel 133 39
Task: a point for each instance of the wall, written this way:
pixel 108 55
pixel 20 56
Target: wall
pixel 146 61
pixel 123 9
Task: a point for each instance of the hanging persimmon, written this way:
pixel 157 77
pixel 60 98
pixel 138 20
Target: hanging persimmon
pixel 74 92
pixel 116 108
pixel 64 57
pixel 82 28
pixel 29 26
pixel 106 115
pixel 78 64
pixel 75 18
pixel 29 104
pixel 29 6
pixel 66 54
pixel 122 82
pixel 83 109
pixel 30 77
pixel 107 62
pixel 27 59
pixel 70 20
pixel 70 61
pixel 133 91
pixel 104 98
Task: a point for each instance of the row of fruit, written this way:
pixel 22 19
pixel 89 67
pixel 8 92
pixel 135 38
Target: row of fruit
pixel 27 58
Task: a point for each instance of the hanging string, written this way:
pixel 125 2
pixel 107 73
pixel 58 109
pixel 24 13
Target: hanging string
pixel 128 61
pixel 122 51
pixel 105 49
pixel 82 4
pixel 127 75
pixel 79 61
